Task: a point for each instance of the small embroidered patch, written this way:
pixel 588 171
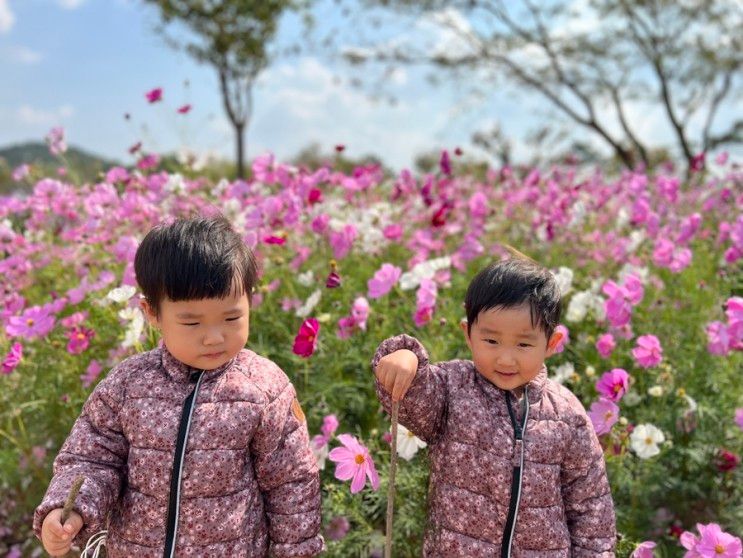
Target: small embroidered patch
pixel 297 410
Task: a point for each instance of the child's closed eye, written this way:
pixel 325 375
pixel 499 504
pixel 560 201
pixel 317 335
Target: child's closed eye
pixel 233 319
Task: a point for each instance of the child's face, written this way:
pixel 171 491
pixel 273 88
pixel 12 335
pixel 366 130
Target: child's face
pixel 205 333
pixel 506 349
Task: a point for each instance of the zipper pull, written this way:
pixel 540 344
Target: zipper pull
pixel 518 451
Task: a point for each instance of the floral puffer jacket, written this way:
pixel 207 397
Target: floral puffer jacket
pixel 250 484
pixel 564 506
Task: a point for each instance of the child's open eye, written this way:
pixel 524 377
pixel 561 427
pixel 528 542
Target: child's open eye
pixel 525 345
pixel 491 341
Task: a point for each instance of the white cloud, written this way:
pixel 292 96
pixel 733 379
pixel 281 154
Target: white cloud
pixel 7 19
pixel 27 114
pixel 70 4
pixel 20 55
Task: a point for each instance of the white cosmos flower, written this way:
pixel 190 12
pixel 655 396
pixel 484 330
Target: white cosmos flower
pixel 321 454
pixel 175 184
pixel 306 279
pixel 309 305
pixel 581 303
pixel 644 440
pixel 408 443
pixel 423 270
pixel 563 372
pixel 564 278
pixel 136 326
pixel 121 294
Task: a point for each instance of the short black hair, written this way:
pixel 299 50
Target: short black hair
pixel 193 259
pixel 511 283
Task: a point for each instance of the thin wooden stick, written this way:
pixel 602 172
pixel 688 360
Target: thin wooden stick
pixel 391 486
pixel 74 491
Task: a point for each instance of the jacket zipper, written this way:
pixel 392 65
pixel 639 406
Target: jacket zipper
pixel 171 525
pixel 517 461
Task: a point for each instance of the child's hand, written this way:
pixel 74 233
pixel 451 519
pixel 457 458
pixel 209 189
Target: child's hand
pixel 57 538
pixel 396 372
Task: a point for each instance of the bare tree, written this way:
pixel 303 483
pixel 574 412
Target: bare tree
pixel 591 59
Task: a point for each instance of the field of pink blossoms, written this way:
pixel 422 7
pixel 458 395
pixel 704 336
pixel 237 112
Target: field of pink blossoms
pixel 650 265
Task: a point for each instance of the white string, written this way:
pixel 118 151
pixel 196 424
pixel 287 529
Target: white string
pixel 95 544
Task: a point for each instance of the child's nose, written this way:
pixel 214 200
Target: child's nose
pixel 505 358
pixel 213 337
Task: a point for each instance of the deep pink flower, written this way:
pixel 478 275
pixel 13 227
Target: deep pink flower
pixel 185 109
pixel 13 358
pixel 315 196
pixel 360 312
pixel 154 95
pixel 306 340
pixel 644 550
pixel 726 461
pixel 148 161
pixel 648 352
pixel 697 162
pixel 79 339
pixel 320 223
pixel 603 414
pixel 346 326
pixel 274 239
pixel 445 163
pixel 605 344
pixel 354 462
pixel 333 281
pixel 34 322
pixel 613 384
pixel 734 313
pixel 393 232
pixel 384 279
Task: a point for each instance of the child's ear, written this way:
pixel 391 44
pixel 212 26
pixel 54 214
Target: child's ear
pixel 148 312
pixel 553 342
pixel 463 327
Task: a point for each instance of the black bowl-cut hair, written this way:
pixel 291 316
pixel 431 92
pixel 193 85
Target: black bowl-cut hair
pixel 512 283
pixel 193 259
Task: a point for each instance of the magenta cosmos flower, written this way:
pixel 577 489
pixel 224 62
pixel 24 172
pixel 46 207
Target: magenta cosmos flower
pixel 739 417
pixel 306 340
pixel 605 344
pixel 648 352
pixel 354 462
pixel 34 322
pixel 613 384
pixel 154 95
pixel 13 358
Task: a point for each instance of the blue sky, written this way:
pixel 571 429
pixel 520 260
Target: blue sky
pixel 83 64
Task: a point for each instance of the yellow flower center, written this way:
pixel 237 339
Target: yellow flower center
pixel 30 322
pixel 649 441
pixel 608 415
pixel 410 434
pixel 719 549
pixel 81 336
pixel 359 459
pixel 617 388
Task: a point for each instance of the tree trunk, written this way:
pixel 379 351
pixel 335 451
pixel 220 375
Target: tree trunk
pixel 240 136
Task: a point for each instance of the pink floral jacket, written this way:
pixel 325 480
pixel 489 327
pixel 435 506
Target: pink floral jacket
pixel 564 506
pixel 250 483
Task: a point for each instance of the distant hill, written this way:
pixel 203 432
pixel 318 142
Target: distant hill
pixel 85 165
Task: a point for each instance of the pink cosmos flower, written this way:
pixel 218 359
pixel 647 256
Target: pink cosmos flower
pixel 425 302
pixel 34 322
pixel 726 460
pixel 618 311
pixel 712 543
pixel 393 232
pixel 734 313
pixel 273 239
pixel 333 280
pixel 149 161
pixel 79 337
pixel 722 158
pixel 306 340
pixel 697 162
pixel 341 241
pixel 718 338
pixel 337 529
pixel 346 327
pixel 739 417
pixel 360 312
pixel 91 373
pixel 644 550
pixel 384 279
pixel 603 414
pixel 154 95
pixel 185 109
pixel 320 223
pixel 605 344
pixel 648 352
pixel 354 462
pixel 56 141
pixel 329 426
pixel 13 358
pixel 21 172
pixel 613 384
